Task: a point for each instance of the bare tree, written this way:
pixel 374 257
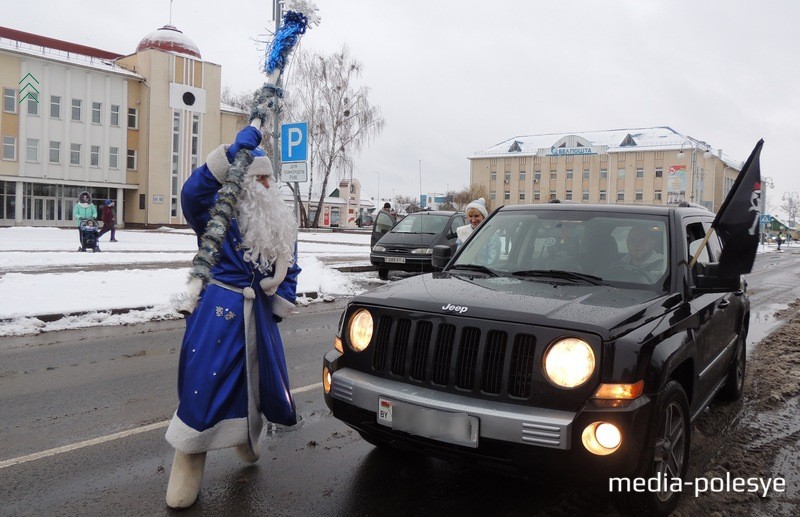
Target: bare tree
pixel 409 203
pixel 322 90
pixel 242 100
pixel 463 197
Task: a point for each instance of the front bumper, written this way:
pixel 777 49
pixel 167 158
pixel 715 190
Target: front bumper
pixel 510 436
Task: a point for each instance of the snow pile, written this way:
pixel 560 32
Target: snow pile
pixel 46 277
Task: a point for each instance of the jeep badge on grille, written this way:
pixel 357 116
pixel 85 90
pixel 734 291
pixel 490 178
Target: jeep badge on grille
pixel 455 308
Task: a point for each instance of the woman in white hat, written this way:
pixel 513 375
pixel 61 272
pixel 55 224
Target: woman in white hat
pixel 476 213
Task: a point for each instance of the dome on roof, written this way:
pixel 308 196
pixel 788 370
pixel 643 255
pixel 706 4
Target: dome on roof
pixel 169 39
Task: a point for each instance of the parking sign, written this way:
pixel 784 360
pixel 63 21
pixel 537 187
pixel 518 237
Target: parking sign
pixel 294 142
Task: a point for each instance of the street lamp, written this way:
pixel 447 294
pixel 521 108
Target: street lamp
pixel 379 186
pixel 791 199
pixel 766 181
pixel 696 145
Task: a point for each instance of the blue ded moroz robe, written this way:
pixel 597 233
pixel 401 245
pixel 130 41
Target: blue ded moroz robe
pixel 225 383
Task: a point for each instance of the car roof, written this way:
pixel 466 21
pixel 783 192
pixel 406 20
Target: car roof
pixel 615 208
pixel 435 212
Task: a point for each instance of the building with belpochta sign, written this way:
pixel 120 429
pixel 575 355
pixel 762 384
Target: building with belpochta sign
pixel 125 127
pixel 649 166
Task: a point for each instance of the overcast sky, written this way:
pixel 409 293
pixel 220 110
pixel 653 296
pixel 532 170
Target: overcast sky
pixel 455 77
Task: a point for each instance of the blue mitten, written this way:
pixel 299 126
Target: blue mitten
pixel 248 138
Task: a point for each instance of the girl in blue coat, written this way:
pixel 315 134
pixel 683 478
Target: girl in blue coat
pixel 232 370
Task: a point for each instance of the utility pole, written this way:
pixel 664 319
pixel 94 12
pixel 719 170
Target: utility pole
pixel 420 183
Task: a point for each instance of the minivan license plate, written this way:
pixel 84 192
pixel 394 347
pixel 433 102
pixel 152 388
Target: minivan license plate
pixel 456 428
pixel 395 260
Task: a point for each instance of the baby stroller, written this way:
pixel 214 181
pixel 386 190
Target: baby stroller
pixel 89 233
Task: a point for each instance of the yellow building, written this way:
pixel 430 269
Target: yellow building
pixel 651 166
pixel 128 128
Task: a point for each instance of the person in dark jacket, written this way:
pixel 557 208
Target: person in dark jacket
pixel 109 219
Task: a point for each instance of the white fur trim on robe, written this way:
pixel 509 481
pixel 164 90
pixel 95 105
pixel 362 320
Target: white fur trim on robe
pixel 217 163
pixel 463 232
pixel 227 433
pixel 281 307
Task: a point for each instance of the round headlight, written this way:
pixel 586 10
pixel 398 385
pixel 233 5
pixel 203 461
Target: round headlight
pixel 360 330
pixel 569 362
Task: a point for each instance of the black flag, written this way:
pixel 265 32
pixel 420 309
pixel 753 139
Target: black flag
pixel 737 222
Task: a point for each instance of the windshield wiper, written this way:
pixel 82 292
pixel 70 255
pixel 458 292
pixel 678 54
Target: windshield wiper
pixel 556 273
pixel 475 267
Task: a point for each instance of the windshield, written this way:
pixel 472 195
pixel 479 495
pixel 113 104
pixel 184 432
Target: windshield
pixel 627 250
pixel 422 223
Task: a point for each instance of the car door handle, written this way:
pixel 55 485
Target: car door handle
pixel 723 304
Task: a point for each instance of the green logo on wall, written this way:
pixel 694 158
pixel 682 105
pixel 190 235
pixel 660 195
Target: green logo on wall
pixel 34 96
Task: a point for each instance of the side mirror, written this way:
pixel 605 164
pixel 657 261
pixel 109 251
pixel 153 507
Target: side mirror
pixel 441 256
pixel 709 281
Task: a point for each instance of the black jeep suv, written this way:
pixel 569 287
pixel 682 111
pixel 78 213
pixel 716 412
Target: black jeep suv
pixel 586 347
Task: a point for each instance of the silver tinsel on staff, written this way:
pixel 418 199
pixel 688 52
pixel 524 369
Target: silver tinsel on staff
pixel 300 13
pixel 222 212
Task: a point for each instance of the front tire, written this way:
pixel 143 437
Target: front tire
pixel 383 274
pixel 668 456
pixel 734 384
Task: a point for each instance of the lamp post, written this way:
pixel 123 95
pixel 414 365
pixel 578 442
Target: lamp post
pixel 379 187
pixel 766 182
pixel 696 145
pixel 791 199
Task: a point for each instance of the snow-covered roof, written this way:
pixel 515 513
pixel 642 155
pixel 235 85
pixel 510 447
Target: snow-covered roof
pixel 66 57
pixel 609 141
pixel 232 109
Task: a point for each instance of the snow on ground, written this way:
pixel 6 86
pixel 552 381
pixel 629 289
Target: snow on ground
pixel 45 274
pixel 116 279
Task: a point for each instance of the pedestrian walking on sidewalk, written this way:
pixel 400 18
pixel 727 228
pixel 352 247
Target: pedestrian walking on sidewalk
pixel 109 219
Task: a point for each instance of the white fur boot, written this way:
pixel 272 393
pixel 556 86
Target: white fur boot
pixel 247 454
pixel 185 479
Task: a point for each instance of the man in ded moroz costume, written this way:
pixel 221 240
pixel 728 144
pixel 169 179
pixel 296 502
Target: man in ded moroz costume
pixel 232 370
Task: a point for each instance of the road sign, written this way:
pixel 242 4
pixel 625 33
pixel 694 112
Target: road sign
pixel 294 172
pixel 766 218
pixel 294 142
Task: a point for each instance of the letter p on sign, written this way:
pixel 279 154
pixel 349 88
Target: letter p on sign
pixel 294 142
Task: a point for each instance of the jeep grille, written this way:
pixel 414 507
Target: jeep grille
pixel 447 356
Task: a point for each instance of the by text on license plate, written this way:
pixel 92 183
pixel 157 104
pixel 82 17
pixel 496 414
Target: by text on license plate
pixel 395 260
pixel 456 428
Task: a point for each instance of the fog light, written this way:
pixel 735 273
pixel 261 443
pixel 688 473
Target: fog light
pixel 326 379
pixel 601 438
pixel 608 435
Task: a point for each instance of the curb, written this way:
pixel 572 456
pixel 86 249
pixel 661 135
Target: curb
pixel 49 318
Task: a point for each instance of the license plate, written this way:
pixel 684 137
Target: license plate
pixel 443 426
pixel 395 260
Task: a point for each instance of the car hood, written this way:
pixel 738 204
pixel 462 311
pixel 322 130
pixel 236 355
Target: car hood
pixel 604 310
pixel 407 240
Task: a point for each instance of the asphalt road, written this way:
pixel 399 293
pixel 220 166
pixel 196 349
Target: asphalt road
pixel 84 413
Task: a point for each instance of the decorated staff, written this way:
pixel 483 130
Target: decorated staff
pixel 232 370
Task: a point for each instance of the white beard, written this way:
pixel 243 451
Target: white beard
pixel 268 227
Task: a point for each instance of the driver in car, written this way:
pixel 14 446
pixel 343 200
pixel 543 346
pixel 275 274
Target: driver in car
pixel 641 253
